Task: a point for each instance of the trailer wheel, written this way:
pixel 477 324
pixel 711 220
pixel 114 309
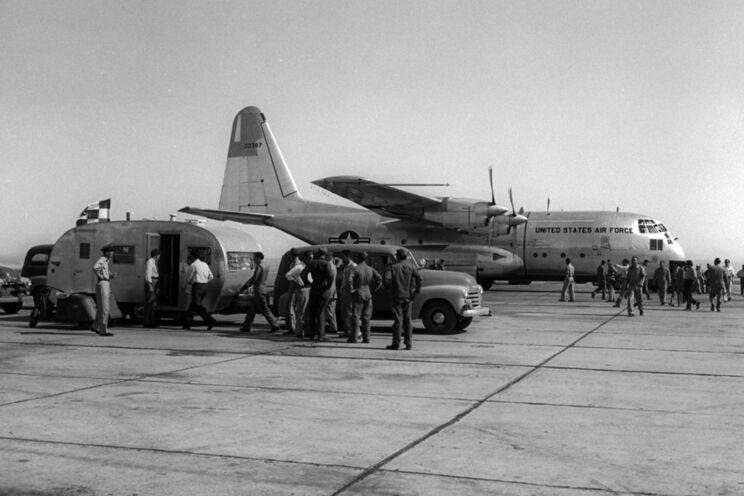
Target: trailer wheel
pixel 136 313
pixel 439 316
pixel 11 307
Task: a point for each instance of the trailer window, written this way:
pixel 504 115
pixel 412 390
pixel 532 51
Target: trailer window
pixel 239 260
pixel 84 251
pixel 123 254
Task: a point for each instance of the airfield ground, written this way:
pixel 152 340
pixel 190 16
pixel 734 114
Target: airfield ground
pixel 542 398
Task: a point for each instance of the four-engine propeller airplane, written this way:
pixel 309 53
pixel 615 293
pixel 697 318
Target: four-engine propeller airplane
pixel 473 236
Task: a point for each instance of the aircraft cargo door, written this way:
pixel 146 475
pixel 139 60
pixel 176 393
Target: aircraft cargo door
pixel 168 268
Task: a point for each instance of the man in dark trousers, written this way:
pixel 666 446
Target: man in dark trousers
pixel 364 281
pixel 259 302
pixel 198 277
pixel 320 294
pixel 404 281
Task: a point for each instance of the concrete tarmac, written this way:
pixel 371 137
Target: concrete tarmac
pixel 543 398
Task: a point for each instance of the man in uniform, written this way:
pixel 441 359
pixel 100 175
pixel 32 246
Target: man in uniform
pixel 151 288
pixel 636 278
pixel 343 286
pixel 601 280
pixel 103 291
pixel 568 282
pixel 662 278
pixel 405 283
pixel 320 294
pixel 296 286
pixel 689 284
pixel 259 302
pixel 198 276
pixel 364 282
pixel 730 274
pixel 716 284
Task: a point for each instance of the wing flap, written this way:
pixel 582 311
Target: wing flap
pixel 380 198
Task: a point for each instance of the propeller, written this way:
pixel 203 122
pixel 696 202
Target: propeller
pixel 492 210
pixel 515 218
pixel 490 181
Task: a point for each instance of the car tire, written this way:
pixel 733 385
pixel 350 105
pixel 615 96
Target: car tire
pixel 11 307
pixel 462 323
pixel 485 283
pixel 439 316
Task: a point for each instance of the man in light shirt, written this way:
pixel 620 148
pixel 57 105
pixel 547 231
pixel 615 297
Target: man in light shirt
pixel 151 288
pixel 197 277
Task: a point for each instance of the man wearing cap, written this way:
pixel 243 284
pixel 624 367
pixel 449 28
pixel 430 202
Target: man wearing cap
pixel 364 281
pixel 320 294
pixel 716 285
pixel 151 288
pixel 404 281
pixel 198 276
pixel 259 302
pixel 103 291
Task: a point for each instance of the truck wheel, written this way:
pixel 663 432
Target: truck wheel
pixel 438 316
pixel 462 323
pixel 11 307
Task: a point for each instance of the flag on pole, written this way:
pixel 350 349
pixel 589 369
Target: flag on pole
pixel 95 212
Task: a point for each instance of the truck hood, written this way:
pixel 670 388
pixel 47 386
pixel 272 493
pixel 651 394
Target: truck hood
pixel 436 277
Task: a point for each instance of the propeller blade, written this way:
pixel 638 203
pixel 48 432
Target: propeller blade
pixel 511 200
pixel 490 180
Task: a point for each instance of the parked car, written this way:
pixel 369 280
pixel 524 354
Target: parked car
pixel 13 288
pixel 35 265
pixel 448 300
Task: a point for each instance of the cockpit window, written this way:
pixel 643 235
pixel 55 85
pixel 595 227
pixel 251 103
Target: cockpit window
pixel 650 227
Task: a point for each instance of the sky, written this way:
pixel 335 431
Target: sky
pixel 597 105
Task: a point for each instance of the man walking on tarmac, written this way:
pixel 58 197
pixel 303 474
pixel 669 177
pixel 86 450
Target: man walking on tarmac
pixel 259 302
pixel 568 282
pixel 636 279
pixel 198 276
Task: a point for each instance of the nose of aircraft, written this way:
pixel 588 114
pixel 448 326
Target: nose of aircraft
pixel 677 252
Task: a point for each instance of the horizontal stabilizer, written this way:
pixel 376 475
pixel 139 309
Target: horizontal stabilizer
pixel 242 217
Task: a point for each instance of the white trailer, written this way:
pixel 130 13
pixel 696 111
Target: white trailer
pixel 70 282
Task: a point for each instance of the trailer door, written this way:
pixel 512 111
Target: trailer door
pixel 83 259
pixel 168 269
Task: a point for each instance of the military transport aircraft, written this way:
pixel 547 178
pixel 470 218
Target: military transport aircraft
pixel 473 236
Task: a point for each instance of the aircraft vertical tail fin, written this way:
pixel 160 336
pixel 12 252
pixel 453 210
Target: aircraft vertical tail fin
pixel 257 178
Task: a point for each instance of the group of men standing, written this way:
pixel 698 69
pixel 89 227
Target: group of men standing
pixel 631 279
pixel 317 285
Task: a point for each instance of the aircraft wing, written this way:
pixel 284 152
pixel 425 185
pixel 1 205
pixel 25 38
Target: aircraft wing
pixel 380 198
pixel 242 217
